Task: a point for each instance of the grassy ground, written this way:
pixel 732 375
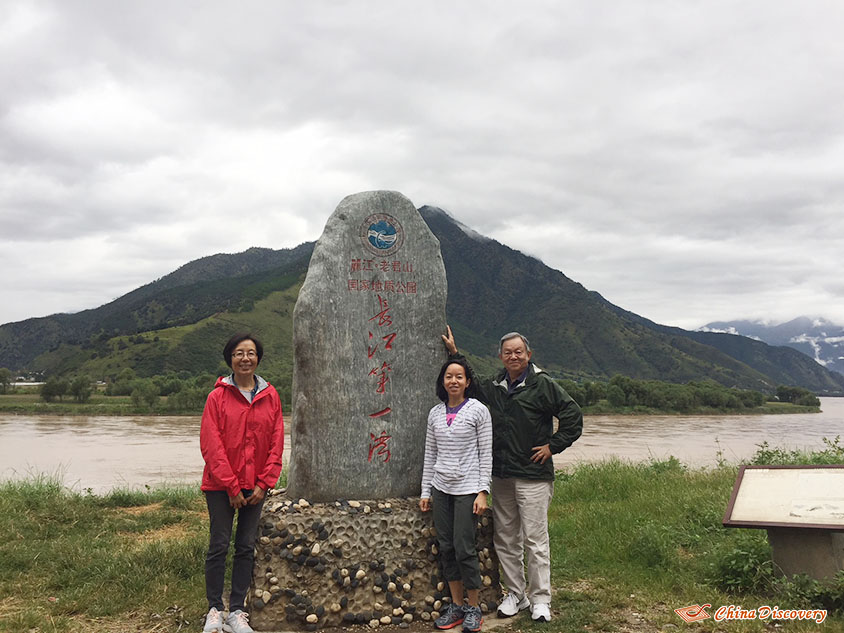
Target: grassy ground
pixel 630 543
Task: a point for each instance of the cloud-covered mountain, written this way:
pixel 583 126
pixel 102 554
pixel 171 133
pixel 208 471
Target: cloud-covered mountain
pixel 815 337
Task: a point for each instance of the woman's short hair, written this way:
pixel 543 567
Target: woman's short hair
pixel 442 394
pixel 236 340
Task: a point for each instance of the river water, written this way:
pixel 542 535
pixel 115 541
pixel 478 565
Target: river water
pixel 102 453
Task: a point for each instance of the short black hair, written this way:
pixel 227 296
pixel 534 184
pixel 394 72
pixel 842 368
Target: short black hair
pixel 236 340
pixel 442 394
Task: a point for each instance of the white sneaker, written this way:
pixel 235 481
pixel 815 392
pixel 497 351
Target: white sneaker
pixel 238 622
pixel 540 613
pixel 213 621
pixel 511 605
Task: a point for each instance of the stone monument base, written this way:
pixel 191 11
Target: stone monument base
pixel 817 553
pixel 349 562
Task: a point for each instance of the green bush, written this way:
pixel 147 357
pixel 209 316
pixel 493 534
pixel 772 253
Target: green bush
pixel 743 564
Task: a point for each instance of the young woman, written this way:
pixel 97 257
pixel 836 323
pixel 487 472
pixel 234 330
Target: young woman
pixel 455 481
pixel 241 438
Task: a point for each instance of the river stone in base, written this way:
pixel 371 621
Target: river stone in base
pixel 367 347
pixel 371 563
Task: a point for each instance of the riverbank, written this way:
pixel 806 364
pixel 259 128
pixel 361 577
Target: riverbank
pixel 98 404
pixel 631 542
pixel 32 404
pixel 769 408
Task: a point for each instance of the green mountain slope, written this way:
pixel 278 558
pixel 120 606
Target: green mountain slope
pixel 177 323
pixel 193 292
pixel 782 364
pixel 493 289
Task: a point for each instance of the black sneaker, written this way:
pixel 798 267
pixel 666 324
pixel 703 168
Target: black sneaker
pixel 451 617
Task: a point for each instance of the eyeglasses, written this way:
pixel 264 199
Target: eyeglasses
pixel 241 354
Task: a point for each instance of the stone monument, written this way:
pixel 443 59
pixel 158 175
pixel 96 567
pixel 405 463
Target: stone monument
pixel 346 542
pixel 366 330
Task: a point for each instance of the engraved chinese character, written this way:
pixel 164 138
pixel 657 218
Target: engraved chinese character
pixel 383 317
pixel 378 446
pixel 381 374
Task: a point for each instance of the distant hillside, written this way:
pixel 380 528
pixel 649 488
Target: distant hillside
pixel 177 323
pixel 197 290
pixel 818 338
pixel 783 365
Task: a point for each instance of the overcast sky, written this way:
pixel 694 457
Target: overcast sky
pixel 684 159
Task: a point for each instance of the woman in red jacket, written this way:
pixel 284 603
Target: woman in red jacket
pixel 242 438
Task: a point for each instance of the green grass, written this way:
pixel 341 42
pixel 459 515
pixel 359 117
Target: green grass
pixel 68 560
pixel 647 538
pixel 631 542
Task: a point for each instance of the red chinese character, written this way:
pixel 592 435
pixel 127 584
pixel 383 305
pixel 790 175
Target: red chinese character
pixel 383 317
pixel 411 287
pixel 400 287
pixel 389 286
pixel 397 267
pixel 378 414
pixel 408 267
pixel 381 374
pixel 379 444
pixel 370 351
pixel 363 284
pixel 353 284
pixel 367 264
pixel 384 265
pixel 355 265
pixel 389 340
pixel 377 286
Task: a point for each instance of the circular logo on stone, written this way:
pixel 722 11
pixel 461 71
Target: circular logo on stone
pixel 382 234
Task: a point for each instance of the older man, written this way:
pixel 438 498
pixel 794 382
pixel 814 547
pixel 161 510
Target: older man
pixel 523 401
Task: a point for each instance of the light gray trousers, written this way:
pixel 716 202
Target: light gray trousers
pixel 520 512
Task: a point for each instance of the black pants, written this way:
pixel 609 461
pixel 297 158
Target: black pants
pixel 455 524
pixel 221 516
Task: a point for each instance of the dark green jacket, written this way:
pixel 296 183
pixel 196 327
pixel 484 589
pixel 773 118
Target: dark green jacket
pixel 524 419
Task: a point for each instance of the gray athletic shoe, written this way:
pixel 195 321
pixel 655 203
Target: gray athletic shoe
pixel 472 619
pixel 451 617
pixel 237 622
pixel 213 621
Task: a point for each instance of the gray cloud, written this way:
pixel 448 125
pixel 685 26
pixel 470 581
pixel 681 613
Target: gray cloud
pixel 682 160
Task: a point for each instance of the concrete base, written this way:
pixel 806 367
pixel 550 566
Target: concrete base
pixel 354 562
pixel 816 553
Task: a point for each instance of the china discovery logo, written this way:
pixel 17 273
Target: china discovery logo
pixel 693 613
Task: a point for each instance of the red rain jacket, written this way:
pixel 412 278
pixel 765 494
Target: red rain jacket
pixel 241 443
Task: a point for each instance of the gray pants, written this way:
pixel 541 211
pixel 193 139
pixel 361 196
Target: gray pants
pixel 221 518
pixel 520 512
pixel 455 526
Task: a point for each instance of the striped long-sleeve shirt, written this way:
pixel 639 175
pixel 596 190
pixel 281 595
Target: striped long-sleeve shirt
pixel 458 457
